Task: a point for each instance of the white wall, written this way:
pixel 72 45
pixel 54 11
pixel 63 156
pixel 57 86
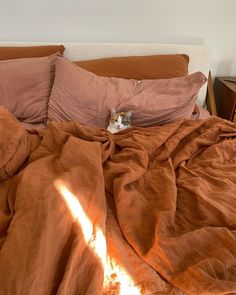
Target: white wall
pixel 207 22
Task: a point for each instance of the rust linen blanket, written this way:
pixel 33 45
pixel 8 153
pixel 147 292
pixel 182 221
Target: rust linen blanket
pixel 146 211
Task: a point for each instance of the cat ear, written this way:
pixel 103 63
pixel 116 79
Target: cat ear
pixel 113 111
pixel 129 114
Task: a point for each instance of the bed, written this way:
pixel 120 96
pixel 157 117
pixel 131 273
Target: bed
pixel 148 210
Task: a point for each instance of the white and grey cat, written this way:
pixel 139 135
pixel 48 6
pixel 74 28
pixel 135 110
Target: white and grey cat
pixel 119 121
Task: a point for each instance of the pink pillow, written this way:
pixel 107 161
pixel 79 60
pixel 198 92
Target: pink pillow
pixel 200 113
pixel 81 95
pixel 25 87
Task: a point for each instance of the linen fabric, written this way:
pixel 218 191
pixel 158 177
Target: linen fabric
pixel 78 94
pixel 139 67
pixel 25 87
pixel 146 211
pixel 14 52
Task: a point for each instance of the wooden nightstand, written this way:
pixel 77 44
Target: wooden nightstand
pixel 225 93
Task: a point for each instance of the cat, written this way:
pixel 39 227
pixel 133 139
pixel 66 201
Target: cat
pixel 119 121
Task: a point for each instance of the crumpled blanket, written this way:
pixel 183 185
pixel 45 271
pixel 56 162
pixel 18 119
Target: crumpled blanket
pixel 144 211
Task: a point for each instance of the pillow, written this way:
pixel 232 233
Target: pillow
pixel 81 95
pixel 12 52
pixel 25 87
pixel 139 67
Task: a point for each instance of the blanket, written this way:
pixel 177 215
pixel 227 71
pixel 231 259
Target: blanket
pixel 144 211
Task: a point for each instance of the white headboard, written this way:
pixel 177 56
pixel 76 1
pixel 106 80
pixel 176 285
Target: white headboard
pixel 199 55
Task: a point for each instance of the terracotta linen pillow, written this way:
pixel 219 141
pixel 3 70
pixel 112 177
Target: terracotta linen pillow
pixel 25 87
pixel 14 52
pixel 81 95
pixel 139 67
pixel 78 94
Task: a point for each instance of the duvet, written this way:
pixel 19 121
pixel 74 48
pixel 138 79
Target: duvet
pixel 144 211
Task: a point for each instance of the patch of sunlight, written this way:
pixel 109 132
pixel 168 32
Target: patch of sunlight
pixel 76 210
pixel 117 279
pixel 114 274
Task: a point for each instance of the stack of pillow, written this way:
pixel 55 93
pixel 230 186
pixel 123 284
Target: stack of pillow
pixel 38 85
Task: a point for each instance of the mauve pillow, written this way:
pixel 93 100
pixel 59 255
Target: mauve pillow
pixel 81 95
pixel 14 52
pixel 25 87
pixel 161 66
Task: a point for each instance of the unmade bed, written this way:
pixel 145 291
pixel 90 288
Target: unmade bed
pixel 148 210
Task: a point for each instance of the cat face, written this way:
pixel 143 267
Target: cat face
pixel 120 120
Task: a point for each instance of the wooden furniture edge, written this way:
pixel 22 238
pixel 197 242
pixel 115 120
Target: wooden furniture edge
pixel 210 97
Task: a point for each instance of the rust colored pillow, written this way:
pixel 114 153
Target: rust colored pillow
pixel 81 95
pixel 25 87
pixel 29 51
pixel 139 67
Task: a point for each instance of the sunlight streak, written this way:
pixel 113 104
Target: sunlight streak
pixel 76 210
pixel 115 276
